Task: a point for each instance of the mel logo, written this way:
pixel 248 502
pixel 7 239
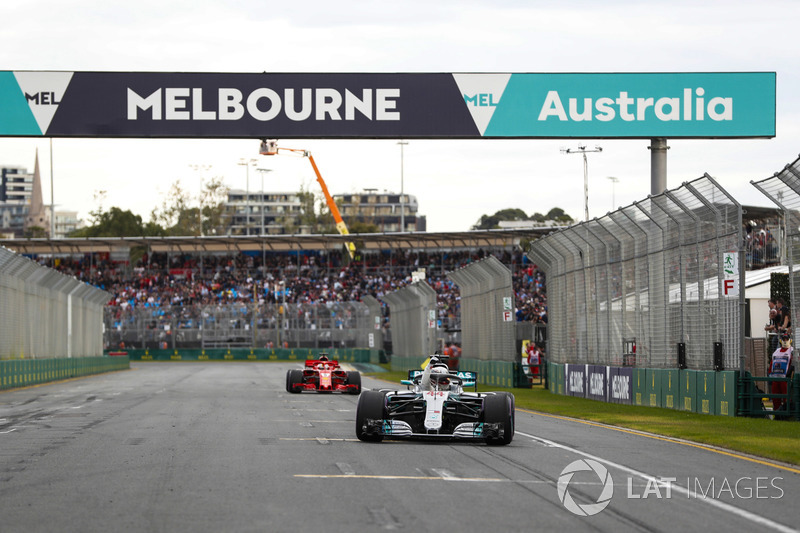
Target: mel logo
pixel 482 94
pixel 43 91
pixel 481 100
pixel 45 98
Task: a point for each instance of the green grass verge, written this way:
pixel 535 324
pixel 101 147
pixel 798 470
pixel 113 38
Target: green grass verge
pixel 772 439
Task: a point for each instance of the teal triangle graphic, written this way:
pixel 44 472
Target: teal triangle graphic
pixel 16 117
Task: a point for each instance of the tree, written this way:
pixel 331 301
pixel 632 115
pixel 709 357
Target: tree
pixel 556 214
pixel 182 215
pixel 492 221
pixel 212 202
pixel 357 226
pixel 118 223
pixel 35 232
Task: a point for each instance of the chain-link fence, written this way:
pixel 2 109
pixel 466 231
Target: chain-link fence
pixel 318 325
pixel 413 316
pixel 631 287
pixel 783 188
pixel 44 313
pixel 487 310
pixel 375 322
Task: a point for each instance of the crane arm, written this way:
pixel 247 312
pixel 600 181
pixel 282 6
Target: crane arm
pixel 273 149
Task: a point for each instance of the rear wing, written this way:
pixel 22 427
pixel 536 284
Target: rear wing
pixel 468 378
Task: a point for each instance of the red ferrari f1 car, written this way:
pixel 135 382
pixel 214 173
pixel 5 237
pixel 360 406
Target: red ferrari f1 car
pixel 323 375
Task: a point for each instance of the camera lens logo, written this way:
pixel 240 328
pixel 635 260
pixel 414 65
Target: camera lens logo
pixel 587 509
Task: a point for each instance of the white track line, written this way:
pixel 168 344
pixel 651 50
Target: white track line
pixel 747 515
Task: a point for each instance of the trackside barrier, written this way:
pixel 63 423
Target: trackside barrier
pixel 555 378
pixel 26 372
pixel 346 355
pixel 670 388
pixel 706 392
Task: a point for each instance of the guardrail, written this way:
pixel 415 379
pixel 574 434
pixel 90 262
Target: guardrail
pixel 26 372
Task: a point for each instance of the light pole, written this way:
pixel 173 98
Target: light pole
pixel 281 311
pixel 584 151
pixel 614 181
pixel 247 163
pixel 402 195
pixel 200 169
pixel 263 171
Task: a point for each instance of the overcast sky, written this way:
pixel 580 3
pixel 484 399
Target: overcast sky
pixel 455 182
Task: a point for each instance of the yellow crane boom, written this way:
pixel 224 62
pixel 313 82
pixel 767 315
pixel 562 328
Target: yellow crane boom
pixel 270 147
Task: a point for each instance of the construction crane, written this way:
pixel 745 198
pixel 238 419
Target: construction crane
pixel 270 147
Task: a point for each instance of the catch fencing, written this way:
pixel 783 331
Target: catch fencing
pixel 46 314
pixel 487 311
pixel 783 188
pixel 654 284
pixel 240 325
pixel 413 317
pixel 374 321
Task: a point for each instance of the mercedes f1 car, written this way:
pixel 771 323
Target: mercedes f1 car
pixel 436 407
pixel 323 375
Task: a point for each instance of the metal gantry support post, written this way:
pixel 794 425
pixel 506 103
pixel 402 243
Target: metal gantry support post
pixel 658 165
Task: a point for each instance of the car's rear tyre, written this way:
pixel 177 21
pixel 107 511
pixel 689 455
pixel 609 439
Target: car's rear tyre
pixel 499 408
pixel 288 382
pixel 354 378
pixel 371 405
pixel 294 377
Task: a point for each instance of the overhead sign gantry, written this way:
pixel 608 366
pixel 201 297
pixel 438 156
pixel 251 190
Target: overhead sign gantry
pixel 654 105
pixel 408 106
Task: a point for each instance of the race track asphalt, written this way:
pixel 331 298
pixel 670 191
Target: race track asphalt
pixel 212 447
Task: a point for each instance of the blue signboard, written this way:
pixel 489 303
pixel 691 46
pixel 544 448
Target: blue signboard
pixel 423 106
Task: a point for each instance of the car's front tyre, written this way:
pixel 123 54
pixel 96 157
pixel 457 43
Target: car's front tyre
pixel 354 378
pixel 295 377
pixel 499 409
pixel 371 406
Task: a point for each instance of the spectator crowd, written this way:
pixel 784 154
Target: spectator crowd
pixel 159 279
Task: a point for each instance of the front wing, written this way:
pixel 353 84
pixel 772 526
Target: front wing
pixel 398 429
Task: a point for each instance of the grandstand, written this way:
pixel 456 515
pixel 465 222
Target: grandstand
pixel 160 299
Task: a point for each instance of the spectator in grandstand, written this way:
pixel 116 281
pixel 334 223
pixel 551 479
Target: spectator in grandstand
pixel 159 280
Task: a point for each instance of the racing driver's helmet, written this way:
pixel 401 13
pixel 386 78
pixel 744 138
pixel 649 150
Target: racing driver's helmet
pixel 439 378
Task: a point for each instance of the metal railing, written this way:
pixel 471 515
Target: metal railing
pixel 319 325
